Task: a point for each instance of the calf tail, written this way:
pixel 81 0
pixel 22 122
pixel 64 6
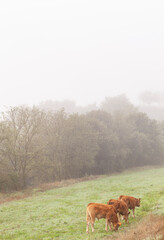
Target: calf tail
pixel 88 217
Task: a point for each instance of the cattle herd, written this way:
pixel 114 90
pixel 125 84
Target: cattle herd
pixel 112 211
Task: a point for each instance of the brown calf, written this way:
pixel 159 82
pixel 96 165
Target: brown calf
pixel 99 210
pixel 121 208
pixel 131 202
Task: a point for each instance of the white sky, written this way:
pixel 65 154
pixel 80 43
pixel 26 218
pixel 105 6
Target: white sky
pixel 81 50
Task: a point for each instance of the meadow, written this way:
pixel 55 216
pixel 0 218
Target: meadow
pixel 60 213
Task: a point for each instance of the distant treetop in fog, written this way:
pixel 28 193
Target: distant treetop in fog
pixel 152 97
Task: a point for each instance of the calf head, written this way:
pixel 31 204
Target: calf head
pixel 138 200
pixel 111 201
pixel 116 226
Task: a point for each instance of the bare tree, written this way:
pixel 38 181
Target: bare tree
pixel 21 147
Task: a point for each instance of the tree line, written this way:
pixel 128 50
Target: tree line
pixel 151 103
pixel 37 146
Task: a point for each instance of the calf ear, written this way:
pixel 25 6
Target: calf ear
pixel 119 223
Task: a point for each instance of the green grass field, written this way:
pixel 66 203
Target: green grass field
pixel 60 213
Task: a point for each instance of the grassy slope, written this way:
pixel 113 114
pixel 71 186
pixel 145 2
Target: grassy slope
pixel 60 213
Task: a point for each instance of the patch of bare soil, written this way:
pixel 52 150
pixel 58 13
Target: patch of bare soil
pixel 64 183
pixel 8 197
pixel 149 228
pixel 13 196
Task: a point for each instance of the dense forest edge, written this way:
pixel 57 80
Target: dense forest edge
pixel 39 146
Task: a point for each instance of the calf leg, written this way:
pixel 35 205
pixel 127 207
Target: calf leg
pixel 133 213
pixel 106 225
pixel 110 225
pixel 127 219
pixel 118 215
pixel 88 220
pixel 87 227
pixel 92 223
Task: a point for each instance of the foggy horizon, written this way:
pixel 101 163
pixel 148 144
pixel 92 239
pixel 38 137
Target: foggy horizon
pixel 145 98
pixel 82 51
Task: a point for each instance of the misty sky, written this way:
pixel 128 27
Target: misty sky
pixel 81 50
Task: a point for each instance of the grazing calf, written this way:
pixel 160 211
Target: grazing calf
pixel 121 208
pixel 99 210
pixel 131 202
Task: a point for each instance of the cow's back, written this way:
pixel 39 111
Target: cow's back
pixel 119 205
pixel 130 201
pixel 100 210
